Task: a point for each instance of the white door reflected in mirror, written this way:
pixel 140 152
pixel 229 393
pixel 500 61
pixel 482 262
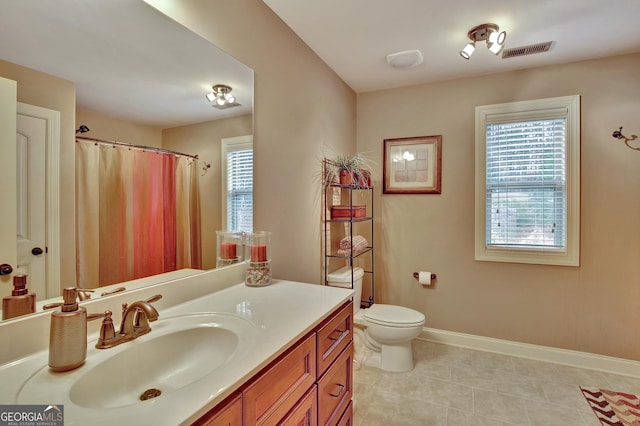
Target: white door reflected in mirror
pixel 31 211
pixel 37 137
pixel 8 93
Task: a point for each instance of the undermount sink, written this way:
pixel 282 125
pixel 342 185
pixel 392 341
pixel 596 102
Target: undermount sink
pixel 178 352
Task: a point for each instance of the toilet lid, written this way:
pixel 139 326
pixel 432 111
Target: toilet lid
pixel 393 316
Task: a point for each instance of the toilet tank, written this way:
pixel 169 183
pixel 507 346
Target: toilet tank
pixel 342 278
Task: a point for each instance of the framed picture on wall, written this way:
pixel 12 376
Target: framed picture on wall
pixel 413 165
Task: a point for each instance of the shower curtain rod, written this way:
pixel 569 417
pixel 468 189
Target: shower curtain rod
pixel 143 147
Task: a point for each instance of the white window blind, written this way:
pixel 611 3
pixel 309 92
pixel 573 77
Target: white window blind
pixel 238 190
pixel 526 184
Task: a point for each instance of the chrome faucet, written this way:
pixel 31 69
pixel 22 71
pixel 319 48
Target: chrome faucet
pixel 135 323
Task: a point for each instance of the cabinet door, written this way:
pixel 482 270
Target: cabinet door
pixel 230 414
pixel 335 389
pixel 277 390
pixel 334 336
pixel 305 413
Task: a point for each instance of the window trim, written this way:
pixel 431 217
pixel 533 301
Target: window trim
pixel 237 143
pixel 565 106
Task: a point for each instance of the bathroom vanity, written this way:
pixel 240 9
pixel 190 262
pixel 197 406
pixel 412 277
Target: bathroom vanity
pixel 220 353
pixel 310 384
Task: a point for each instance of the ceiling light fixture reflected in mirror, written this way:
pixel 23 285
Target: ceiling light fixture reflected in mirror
pixel 221 97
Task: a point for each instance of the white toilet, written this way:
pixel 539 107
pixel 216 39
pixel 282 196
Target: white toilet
pixel 388 329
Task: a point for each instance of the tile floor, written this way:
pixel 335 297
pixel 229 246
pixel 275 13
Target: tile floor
pixel 458 387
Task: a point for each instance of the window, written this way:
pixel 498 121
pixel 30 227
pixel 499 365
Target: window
pixel 237 184
pixel 527 182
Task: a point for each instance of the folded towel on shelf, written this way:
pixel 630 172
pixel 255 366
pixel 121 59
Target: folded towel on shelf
pixel 349 246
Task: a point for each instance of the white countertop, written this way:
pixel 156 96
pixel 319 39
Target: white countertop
pixel 281 313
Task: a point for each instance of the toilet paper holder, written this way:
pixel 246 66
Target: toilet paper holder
pixel 417 274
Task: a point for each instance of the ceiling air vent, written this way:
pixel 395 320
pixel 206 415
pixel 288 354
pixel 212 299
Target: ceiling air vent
pixel 527 50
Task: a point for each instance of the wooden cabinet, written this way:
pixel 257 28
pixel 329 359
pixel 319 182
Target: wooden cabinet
pixel 347 417
pixel 333 336
pixel 335 388
pixel 272 394
pixel 310 384
pixel 228 413
pixel 305 412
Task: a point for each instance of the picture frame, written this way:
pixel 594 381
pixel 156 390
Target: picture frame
pixel 413 165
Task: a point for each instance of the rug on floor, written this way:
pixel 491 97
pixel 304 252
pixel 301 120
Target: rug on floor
pixel 613 408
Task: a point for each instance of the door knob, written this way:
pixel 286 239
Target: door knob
pixel 37 251
pixel 5 269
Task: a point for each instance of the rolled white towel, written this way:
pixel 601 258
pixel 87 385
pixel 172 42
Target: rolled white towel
pixel 358 240
pixel 349 247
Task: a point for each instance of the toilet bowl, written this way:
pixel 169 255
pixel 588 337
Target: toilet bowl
pixel 388 329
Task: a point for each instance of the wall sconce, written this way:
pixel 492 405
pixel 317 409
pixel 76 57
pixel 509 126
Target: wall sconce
pixel 221 96
pixel 618 135
pixel 488 32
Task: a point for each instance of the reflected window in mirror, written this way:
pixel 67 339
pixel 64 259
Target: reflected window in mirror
pixel 237 183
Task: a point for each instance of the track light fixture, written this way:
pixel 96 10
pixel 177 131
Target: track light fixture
pixel 221 95
pixel 486 32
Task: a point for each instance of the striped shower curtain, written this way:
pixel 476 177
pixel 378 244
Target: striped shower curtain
pixel 138 213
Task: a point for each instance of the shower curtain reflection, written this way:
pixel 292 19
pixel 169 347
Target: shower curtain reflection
pixel 138 213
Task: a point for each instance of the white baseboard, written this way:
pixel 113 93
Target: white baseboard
pixel 578 359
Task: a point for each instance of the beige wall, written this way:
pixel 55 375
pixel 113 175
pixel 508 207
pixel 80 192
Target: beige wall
pixel 105 127
pixel 302 110
pixel 50 92
pixel 204 140
pixel 594 307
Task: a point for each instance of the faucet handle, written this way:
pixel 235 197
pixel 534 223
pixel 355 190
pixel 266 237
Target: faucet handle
pixel 154 298
pixel 51 306
pixel 84 294
pixel 107 337
pixel 109 293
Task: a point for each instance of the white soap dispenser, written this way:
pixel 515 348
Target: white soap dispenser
pixel 68 334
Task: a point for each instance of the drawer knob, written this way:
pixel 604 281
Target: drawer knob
pixel 340 390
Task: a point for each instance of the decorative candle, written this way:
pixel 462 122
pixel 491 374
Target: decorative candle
pixel 259 253
pixel 228 250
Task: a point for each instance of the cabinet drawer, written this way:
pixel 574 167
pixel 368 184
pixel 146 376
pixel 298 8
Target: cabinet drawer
pixel 268 399
pixel 347 417
pixel 334 336
pixel 335 389
pixel 229 414
pixel 305 413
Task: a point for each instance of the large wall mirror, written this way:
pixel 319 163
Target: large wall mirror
pixel 130 74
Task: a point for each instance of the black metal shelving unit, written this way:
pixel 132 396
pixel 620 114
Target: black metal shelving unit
pixel 351 225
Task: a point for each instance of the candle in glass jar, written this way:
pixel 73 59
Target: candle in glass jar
pixel 259 253
pixel 228 250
